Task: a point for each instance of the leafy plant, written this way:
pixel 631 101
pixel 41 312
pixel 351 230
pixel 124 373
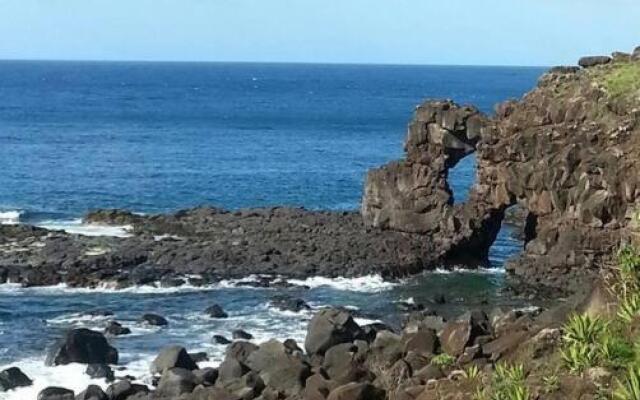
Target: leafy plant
pixel 551 383
pixel 509 383
pixel 443 360
pixel 629 387
pixel 472 373
pixel 584 329
pixel 578 356
pixel 629 307
pixel 614 351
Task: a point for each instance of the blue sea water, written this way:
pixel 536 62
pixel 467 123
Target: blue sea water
pixel 156 137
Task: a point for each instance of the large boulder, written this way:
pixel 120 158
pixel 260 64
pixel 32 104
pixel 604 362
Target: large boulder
pixel 123 390
pixel 154 320
pixel 12 378
pixel 357 391
pixel 278 368
pixel 592 61
pixel 328 328
pixel 82 346
pixel 344 364
pixel 457 335
pixel 172 357
pixel 92 392
pixel 176 382
pixel 240 351
pixel 100 371
pixel 55 393
pixel 116 329
pixel 423 342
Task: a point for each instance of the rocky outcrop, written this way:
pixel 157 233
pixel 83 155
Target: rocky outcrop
pixel 82 346
pixel 567 154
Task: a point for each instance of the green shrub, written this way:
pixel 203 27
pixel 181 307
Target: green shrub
pixel 551 383
pixel 629 307
pixel 629 387
pixel 509 383
pixel 614 351
pixel 578 356
pixel 472 373
pixel 443 360
pixel 584 329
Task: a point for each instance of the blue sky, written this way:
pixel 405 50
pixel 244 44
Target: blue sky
pixel 483 32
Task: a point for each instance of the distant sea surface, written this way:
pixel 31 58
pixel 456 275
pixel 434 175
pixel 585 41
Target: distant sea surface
pixel 156 137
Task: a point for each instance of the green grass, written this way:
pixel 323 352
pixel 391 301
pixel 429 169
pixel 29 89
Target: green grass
pixel 623 80
pixel 443 360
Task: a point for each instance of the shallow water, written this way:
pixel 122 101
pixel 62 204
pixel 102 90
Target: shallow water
pixel 158 137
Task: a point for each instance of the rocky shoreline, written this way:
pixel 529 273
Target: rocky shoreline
pixel 339 360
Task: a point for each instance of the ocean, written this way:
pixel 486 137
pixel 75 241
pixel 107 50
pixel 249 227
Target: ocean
pixel 158 137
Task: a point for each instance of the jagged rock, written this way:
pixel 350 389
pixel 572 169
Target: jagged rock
pixel 125 390
pixel 242 335
pixel 175 382
pixel 370 331
pixel 386 349
pixel 172 357
pixel 318 387
pixel 278 368
pixel 592 61
pixel 82 346
pixel 459 334
pixel 287 303
pixel 249 386
pixel 12 378
pixel 421 342
pixel 100 371
pixel 212 393
pixel 215 311
pixel 116 329
pixel 92 392
pixel 328 328
pixel 240 351
pixel 56 393
pixel 206 376
pixel 219 339
pixel 231 369
pixel 357 391
pixel 154 320
pixel 199 357
pixel 344 364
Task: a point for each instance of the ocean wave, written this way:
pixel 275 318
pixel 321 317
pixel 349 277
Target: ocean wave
pixel 477 271
pixel 77 227
pixel 366 284
pixel 11 217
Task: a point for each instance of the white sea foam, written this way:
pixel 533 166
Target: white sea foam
pixel 477 271
pixel 367 284
pixel 70 376
pixel 76 226
pixel 10 217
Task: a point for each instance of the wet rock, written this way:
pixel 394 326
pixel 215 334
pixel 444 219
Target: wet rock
pixel 92 392
pixel 370 331
pixel 239 334
pixel 116 329
pixel 219 339
pixel 100 371
pixel 278 368
pixel 287 303
pixel 154 320
pixel 125 390
pixel 592 61
pixel 56 393
pixel 175 382
pixel 328 328
pixel 172 357
pixel 12 378
pixel 357 391
pixel 82 346
pixel 215 311
pixel 199 357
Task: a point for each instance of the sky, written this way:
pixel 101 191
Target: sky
pixel 450 32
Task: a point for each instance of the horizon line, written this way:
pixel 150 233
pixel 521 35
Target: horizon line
pixel 328 63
